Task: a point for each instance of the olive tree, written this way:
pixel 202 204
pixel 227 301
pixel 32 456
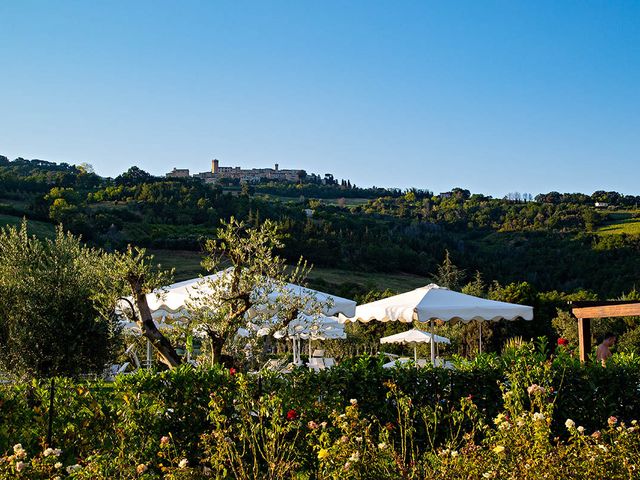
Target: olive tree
pixel 250 285
pixel 55 319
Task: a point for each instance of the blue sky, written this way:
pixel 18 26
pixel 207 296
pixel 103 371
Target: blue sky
pixel 492 96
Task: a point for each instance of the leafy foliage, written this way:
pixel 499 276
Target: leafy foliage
pixel 55 318
pixel 525 414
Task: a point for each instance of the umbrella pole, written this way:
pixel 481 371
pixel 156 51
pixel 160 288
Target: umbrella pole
pixel 295 350
pixel 480 336
pixel 148 353
pixel 433 346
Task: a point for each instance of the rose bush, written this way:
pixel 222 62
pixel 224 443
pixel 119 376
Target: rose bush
pixel 524 414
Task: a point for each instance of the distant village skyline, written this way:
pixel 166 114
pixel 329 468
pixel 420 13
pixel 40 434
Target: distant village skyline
pixel 249 175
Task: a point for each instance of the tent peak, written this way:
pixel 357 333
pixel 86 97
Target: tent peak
pixel 432 286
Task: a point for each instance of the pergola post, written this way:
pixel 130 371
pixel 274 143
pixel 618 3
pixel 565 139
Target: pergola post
pixel 584 311
pixel 584 337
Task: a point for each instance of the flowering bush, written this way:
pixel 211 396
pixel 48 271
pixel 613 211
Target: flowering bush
pixel 524 414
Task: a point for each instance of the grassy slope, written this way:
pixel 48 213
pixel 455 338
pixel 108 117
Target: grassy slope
pixel 187 265
pixel 326 201
pixel 40 229
pixel 621 222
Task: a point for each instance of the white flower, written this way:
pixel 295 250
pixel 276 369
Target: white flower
pixel 20 466
pixel 534 389
pixel 355 456
pixel 183 463
pixel 58 465
pixel 570 424
pixel 358 439
pixel 581 429
pixel 19 452
pixel 382 446
pixel 353 401
pixel 73 468
pixel 454 453
pixel 538 417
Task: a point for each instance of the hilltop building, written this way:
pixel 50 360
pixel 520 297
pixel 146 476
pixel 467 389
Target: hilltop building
pixel 178 173
pixel 252 175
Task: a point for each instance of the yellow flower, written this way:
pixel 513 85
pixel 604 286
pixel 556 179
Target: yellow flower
pixel 323 453
pixel 498 449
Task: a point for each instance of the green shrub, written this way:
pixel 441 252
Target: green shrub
pixel 525 414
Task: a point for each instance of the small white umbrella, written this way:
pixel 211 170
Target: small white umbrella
pixel 432 302
pixel 310 328
pixel 414 337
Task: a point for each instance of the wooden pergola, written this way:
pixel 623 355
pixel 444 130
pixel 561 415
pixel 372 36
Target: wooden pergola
pixel 585 311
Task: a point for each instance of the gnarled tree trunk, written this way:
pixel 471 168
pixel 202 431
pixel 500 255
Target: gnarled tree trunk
pixel 167 353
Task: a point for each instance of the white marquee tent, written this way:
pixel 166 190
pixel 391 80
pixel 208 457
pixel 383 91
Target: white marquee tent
pixel 171 302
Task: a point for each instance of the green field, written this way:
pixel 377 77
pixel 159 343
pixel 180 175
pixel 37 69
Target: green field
pixel 349 202
pixel 17 204
pixel 187 265
pixel 621 222
pixel 398 282
pixel 40 229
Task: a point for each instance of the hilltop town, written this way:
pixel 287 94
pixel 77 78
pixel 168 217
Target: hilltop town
pixel 252 175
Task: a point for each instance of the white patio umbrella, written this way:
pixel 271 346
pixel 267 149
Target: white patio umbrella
pixel 432 302
pixel 414 337
pixel 306 327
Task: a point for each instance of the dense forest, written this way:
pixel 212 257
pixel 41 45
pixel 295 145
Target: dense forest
pixel 551 246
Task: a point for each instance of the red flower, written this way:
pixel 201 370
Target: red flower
pixel 292 414
pixel 563 342
pixel 232 371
